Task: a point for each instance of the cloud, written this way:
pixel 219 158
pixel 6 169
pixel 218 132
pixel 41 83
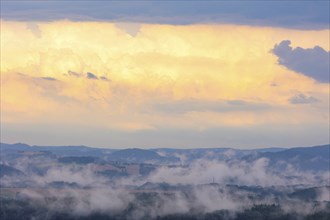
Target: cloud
pixel 237 102
pixel 310 15
pixel 48 78
pixel 257 172
pixel 72 73
pixel 91 76
pixel 302 99
pixel 194 105
pixel 205 77
pixel 312 62
pixel 34 28
pixel 130 28
pixel 104 78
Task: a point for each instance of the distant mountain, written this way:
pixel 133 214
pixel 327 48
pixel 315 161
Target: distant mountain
pixel 310 194
pixel 75 150
pixel 304 158
pixel 163 186
pixel 271 149
pixel 189 155
pixel 156 186
pixel 15 147
pixel 77 160
pixel 57 150
pixel 136 155
pixel 303 152
pixel 9 171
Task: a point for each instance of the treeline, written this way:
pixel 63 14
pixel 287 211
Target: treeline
pixel 21 210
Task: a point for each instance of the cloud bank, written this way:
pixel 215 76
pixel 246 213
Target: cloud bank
pixel 290 14
pixel 197 81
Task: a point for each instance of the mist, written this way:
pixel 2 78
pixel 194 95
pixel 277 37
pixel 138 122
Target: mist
pixel 75 187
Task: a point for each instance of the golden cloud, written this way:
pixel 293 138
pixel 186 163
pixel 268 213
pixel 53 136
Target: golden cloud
pixel 44 74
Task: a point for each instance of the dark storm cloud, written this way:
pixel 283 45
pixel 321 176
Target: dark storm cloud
pixel 312 62
pixel 91 76
pixel 302 99
pixel 295 14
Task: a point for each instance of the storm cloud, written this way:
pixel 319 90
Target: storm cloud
pixel 262 13
pixel 311 62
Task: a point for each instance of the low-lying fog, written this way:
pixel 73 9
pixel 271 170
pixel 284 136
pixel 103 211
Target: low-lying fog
pixel 150 191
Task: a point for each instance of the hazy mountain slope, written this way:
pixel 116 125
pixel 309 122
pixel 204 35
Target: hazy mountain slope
pixel 315 158
pixel 136 155
pixel 9 171
pixel 303 158
pixel 57 150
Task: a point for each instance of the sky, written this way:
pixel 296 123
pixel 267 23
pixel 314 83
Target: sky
pixel 178 74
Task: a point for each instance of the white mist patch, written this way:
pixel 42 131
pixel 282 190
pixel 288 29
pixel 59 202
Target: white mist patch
pixel 238 172
pixel 83 176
